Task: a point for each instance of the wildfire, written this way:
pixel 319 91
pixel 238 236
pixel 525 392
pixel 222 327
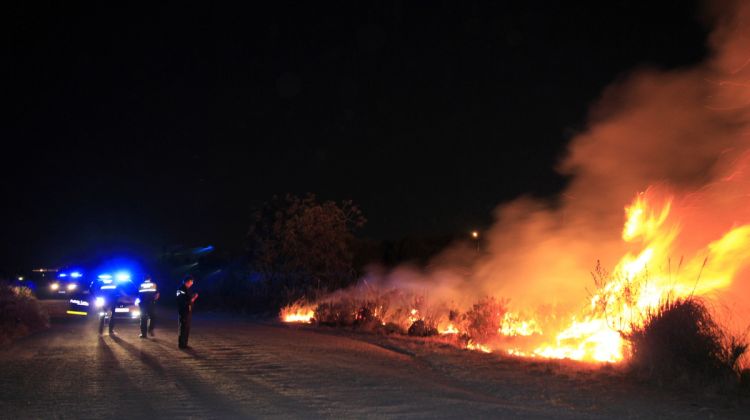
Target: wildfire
pixel 642 280
pixel 478 347
pixel 449 329
pixel 297 312
pixel 414 316
pixel 634 288
pixel 514 326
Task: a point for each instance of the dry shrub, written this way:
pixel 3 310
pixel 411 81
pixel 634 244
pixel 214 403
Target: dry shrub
pixel 20 313
pixel 422 329
pixel 342 313
pixel 485 318
pixel 680 344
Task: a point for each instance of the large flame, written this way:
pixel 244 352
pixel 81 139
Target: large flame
pixel 643 280
pixel 298 312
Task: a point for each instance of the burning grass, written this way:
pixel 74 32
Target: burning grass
pixel 399 312
pixel 680 342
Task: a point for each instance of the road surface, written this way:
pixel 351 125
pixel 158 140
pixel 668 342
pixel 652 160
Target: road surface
pixel 244 369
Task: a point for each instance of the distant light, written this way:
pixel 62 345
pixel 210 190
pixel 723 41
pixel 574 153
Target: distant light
pixel 99 302
pixel 54 286
pixel 122 276
pixel 137 300
pixel 75 274
pixel 105 276
pixel 109 286
pixel 107 281
pixel 20 278
pixel 475 234
pixel 63 275
pixel 72 286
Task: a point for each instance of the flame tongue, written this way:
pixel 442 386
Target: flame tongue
pixel 638 284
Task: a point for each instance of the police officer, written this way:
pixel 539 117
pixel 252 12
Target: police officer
pixel 110 296
pixel 185 300
pixel 148 294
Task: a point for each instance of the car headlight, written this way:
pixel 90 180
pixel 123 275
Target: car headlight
pixel 54 286
pixel 99 302
pixel 72 286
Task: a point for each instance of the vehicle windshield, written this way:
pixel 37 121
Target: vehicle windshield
pixel 127 288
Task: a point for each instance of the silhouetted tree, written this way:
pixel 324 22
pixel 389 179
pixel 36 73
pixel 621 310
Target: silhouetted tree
pixel 302 246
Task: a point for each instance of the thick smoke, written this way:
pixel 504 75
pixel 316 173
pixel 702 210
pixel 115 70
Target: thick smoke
pixel 683 131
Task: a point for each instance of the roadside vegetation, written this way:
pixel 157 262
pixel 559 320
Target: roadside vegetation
pixel 20 313
pixel 681 344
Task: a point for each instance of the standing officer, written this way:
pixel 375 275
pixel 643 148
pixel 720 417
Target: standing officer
pixel 185 300
pixel 106 300
pixel 148 294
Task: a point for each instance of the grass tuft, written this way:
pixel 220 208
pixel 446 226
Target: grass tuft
pixel 681 343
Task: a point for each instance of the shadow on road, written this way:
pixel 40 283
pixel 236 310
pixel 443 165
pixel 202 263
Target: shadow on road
pixel 143 356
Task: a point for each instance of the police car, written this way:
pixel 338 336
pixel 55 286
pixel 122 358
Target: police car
pixel 108 289
pixel 65 283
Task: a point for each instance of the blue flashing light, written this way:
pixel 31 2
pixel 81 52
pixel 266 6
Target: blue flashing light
pixel 122 276
pixel 105 276
pixel 63 275
pixel 76 274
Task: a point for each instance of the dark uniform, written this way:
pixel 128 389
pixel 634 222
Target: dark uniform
pixel 111 295
pixel 185 298
pixel 148 295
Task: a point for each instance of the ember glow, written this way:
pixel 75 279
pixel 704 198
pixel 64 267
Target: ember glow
pixel 478 347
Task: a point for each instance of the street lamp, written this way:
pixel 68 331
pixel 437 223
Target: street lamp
pixel 475 237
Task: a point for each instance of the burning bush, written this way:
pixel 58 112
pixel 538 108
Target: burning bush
pixel 341 313
pixel 680 341
pixel 420 328
pixel 485 318
pixel 20 313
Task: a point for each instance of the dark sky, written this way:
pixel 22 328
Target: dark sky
pixel 166 124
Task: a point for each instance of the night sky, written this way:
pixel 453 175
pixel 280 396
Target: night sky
pixel 167 124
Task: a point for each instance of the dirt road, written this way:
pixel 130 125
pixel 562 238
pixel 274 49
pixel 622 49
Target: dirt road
pixel 243 369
